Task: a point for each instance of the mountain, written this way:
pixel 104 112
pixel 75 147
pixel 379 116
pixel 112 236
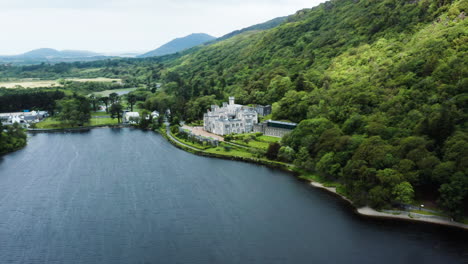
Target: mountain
pixel 179 44
pixel 379 89
pixel 51 55
pixel 263 26
pixel 78 54
pixel 40 53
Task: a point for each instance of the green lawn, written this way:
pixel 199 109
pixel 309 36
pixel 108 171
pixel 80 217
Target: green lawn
pixel 195 145
pixel 253 144
pixel 233 152
pixel 51 123
pixel 103 121
pixel 268 139
pixel 100 114
pixel 108 92
pixel 428 213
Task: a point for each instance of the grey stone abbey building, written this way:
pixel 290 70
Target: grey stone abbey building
pixel 230 118
pixel 233 118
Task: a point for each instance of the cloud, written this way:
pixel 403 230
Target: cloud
pixel 119 25
pixel 103 4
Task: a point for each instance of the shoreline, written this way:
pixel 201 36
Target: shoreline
pixel 362 211
pixel 71 129
pixel 405 216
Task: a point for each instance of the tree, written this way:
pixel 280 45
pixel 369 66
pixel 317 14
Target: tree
pixel 105 101
pixel 175 120
pixel 13 139
pixel 454 195
pixel 131 98
pixel 328 166
pixel 286 154
pixel 272 152
pixel 113 97
pixel 403 193
pixel 307 134
pixel 145 120
pixel 74 110
pixel 94 101
pixel 116 111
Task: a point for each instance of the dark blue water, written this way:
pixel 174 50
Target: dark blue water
pixel 128 196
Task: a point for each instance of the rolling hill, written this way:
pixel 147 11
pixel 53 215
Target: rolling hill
pixel 179 44
pixel 51 55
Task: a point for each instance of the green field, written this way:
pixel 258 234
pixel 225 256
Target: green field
pixel 51 123
pixel 253 144
pixel 38 83
pixel 235 152
pixel 108 92
pixel 255 141
pixel 100 114
pixel 269 139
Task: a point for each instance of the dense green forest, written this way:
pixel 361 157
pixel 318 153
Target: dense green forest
pixel 16 100
pixel 11 138
pixel 379 89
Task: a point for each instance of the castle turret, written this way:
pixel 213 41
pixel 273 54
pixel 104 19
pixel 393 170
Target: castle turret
pixel 231 100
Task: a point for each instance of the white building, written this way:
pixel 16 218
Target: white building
pixel 23 117
pixel 131 117
pixel 155 114
pixel 230 118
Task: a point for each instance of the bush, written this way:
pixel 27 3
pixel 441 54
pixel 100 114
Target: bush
pixel 227 148
pixel 272 152
pixel 174 129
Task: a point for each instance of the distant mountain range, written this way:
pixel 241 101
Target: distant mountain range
pixel 51 55
pixel 179 44
pixel 174 46
pixel 193 40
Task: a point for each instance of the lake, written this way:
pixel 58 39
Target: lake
pixel 128 196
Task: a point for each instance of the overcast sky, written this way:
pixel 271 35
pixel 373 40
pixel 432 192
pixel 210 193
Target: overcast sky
pixel 127 25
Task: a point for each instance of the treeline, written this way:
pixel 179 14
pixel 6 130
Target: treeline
pixel 17 100
pixel 133 72
pixel 384 168
pixel 89 87
pixel 11 138
pixel 74 110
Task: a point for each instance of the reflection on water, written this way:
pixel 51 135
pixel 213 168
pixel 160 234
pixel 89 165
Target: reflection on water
pixel 127 196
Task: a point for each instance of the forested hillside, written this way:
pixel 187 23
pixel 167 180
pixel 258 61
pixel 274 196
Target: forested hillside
pixel 379 89
pixel 262 26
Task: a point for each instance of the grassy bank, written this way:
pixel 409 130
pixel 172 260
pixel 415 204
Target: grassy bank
pixel 52 123
pixel 254 140
pixel 226 151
